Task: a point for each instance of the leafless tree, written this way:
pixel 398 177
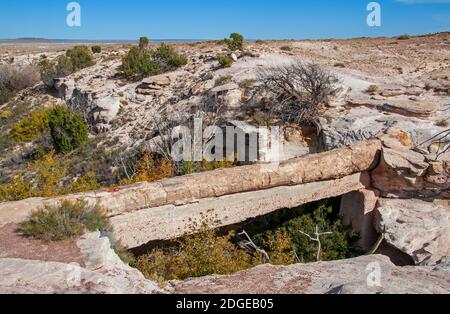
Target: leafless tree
pixel 168 119
pixel 15 78
pixel 250 246
pixel 126 161
pixel 317 239
pixel 297 90
pixel 212 110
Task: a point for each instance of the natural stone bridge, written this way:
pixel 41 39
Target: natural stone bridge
pixel 145 212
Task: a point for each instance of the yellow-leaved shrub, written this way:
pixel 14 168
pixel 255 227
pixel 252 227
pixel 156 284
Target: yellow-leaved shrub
pixel 31 126
pixel 202 252
pixel 45 178
pixel 150 168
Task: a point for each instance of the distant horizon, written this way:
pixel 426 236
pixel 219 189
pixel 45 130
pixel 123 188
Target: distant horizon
pixel 37 39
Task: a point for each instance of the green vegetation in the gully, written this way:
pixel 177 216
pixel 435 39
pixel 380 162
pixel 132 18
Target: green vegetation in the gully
pixel 141 61
pixel 207 251
pixel 324 214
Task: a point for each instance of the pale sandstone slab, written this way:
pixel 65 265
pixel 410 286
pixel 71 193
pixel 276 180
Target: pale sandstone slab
pixel 417 228
pixel 338 277
pixel 104 273
pixel 357 210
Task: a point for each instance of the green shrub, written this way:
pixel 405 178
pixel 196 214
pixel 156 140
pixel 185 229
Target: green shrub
pixel 17 189
pixel 88 182
pixel 373 89
pixel 65 221
pixel 141 62
pixel 150 167
pixel 30 127
pixel 96 49
pixel 189 167
pixel 404 37
pixel 205 252
pixel 168 58
pixel 77 58
pixel 143 43
pixel 45 178
pixel 225 60
pixel 286 48
pixel 81 57
pixel 236 42
pixel 5 95
pixel 5 114
pixel 137 64
pixel 338 245
pixel 61 67
pixel 67 128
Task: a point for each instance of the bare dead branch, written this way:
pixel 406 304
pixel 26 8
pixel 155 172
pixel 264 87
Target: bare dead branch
pixel 250 244
pixel 317 239
pixel 297 90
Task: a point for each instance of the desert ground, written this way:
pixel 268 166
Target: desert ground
pixel 394 91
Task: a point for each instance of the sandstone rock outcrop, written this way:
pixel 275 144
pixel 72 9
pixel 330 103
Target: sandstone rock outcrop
pixel 104 273
pixel 408 173
pixel 414 108
pixel 417 228
pixel 153 84
pixel 366 274
pixel 357 210
pixel 98 106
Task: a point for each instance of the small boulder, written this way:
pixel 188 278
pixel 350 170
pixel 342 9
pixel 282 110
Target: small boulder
pixel 224 88
pixel 158 80
pixel 417 228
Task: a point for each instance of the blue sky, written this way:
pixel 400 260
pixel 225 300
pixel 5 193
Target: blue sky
pixel 213 19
